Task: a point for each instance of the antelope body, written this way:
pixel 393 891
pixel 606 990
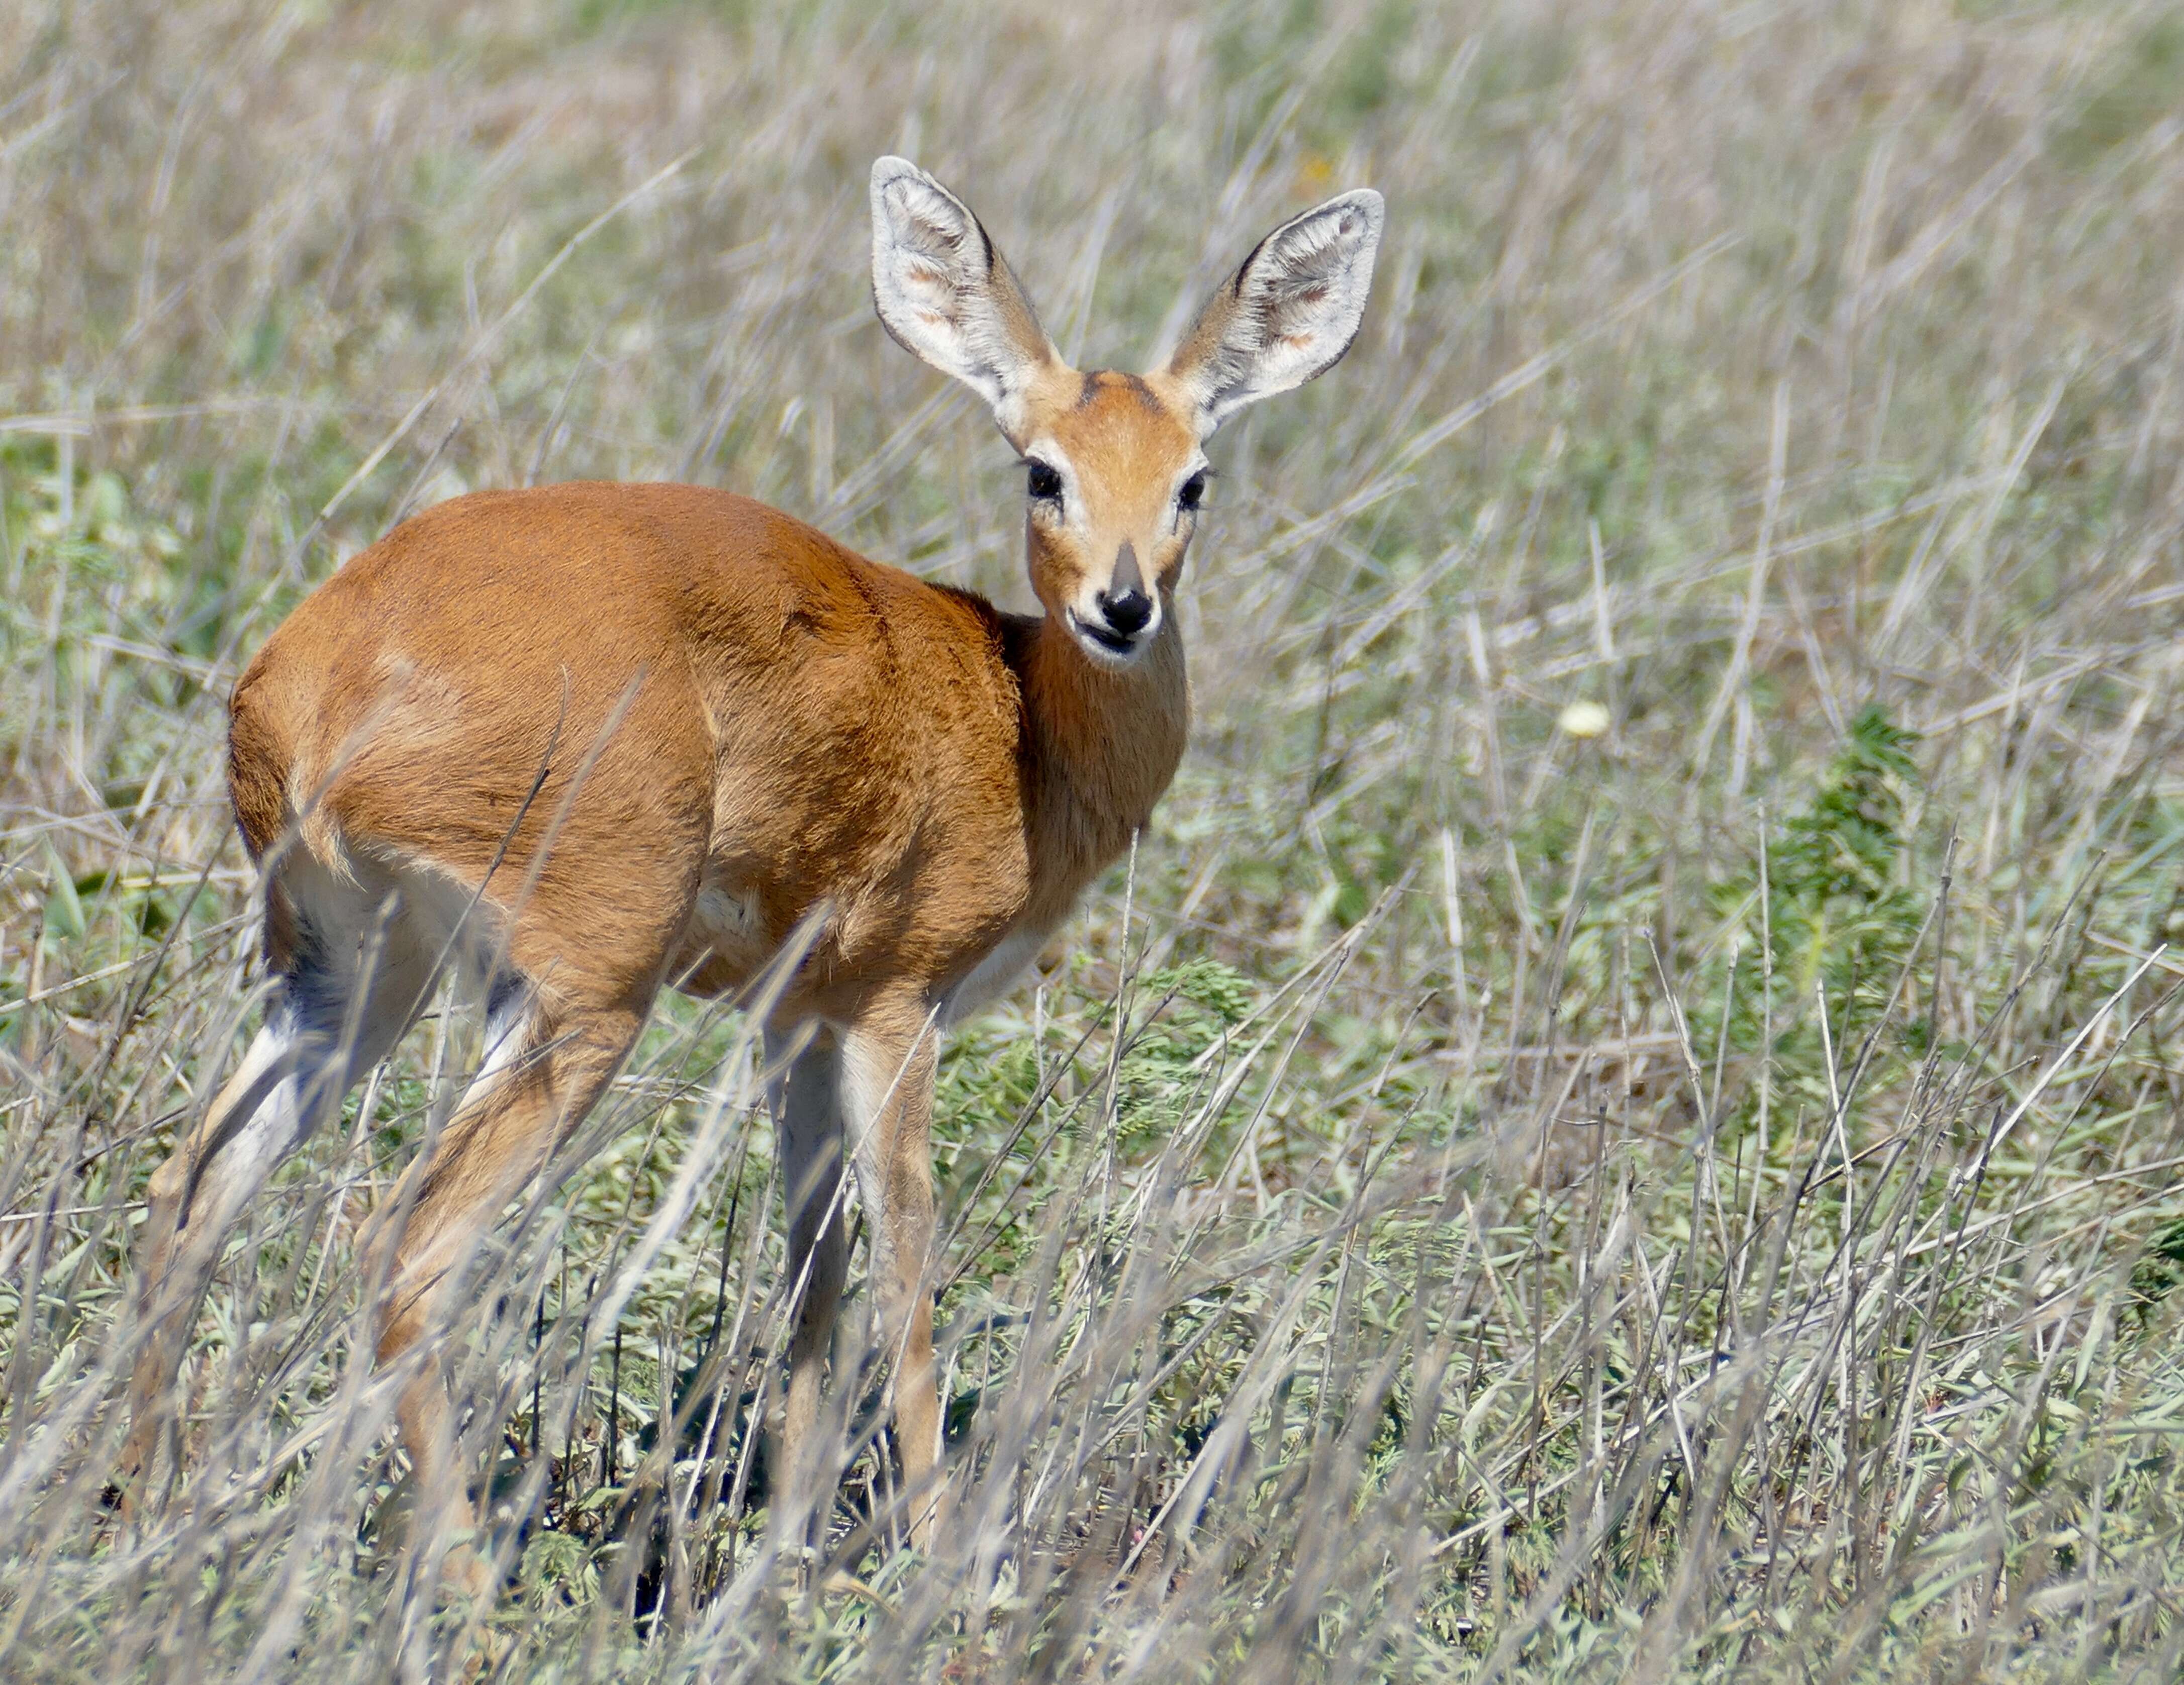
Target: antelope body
pixel 586 740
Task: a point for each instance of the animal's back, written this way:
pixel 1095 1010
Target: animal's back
pixel 741 698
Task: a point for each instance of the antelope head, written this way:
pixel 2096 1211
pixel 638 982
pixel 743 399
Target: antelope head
pixel 1115 466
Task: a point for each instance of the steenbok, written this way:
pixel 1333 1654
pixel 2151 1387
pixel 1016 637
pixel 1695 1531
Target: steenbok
pixel 582 740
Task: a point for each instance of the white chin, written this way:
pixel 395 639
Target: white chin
pixel 1105 650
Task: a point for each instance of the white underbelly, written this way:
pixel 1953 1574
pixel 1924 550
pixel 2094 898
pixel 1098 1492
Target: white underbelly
pixel 723 916
pixel 991 977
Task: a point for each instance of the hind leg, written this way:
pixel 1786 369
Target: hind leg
pixel 546 1064
pixel 348 991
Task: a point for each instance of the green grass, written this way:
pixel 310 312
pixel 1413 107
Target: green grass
pixel 1475 1202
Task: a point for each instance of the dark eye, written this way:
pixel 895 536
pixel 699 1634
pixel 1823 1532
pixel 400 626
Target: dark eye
pixel 1193 492
pixel 1043 480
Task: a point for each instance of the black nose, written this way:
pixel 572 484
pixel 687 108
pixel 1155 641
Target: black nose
pixel 1127 611
pixel 1125 603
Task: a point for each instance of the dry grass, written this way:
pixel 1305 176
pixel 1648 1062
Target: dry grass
pixel 1482 1202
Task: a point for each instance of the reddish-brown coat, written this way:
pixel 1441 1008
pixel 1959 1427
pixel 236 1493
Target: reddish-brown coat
pixel 790 723
pixel 585 739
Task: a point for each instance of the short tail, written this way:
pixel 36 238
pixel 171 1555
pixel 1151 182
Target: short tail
pixel 272 811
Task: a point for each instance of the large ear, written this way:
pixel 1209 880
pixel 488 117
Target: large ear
pixel 1287 314
pixel 945 292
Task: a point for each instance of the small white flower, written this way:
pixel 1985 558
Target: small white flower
pixel 1584 720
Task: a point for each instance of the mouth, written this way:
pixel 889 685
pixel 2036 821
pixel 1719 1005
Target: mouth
pixel 1103 644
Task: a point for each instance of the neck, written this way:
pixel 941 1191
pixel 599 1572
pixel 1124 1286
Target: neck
pixel 1101 749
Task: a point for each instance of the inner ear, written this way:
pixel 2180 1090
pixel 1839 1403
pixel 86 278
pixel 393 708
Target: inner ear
pixel 1287 314
pixel 945 292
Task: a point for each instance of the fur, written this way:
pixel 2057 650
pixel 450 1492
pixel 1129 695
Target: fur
pixel 586 740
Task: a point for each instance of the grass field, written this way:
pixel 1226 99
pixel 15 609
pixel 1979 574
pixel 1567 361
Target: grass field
pixel 1624 1121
